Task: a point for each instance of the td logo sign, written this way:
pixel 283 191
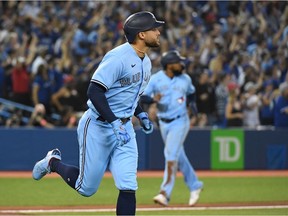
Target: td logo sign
pixel 227 149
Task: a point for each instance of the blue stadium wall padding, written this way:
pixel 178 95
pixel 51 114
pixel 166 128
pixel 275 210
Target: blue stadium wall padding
pixel 256 144
pixel 276 157
pixel 22 147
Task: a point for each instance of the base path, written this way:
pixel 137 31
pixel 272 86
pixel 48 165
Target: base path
pixel 82 209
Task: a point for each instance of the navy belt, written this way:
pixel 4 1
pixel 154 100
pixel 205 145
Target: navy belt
pixel 124 120
pixel 169 120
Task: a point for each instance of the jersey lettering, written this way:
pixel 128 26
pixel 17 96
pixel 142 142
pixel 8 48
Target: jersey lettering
pixel 125 81
pixel 147 77
pixel 136 77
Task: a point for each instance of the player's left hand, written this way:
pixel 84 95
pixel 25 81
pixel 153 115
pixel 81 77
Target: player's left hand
pixel 146 124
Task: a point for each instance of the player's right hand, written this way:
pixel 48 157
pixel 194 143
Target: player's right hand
pixel 119 130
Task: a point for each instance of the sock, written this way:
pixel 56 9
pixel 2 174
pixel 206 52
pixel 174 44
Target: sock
pixel 67 172
pixel 126 203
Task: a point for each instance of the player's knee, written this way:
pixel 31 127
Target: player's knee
pixel 87 192
pixel 127 183
pixel 172 165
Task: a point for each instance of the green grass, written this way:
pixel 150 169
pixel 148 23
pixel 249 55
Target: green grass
pixel 222 190
pixel 54 192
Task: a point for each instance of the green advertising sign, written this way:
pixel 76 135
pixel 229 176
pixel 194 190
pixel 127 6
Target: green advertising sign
pixel 227 149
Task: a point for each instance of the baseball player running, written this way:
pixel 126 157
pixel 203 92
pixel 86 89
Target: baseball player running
pixel 172 90
pixel 105 132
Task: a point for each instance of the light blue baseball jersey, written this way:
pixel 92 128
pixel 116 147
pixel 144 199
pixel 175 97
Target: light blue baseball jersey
pixel 174 93
pixel 125 78
pixel 124 75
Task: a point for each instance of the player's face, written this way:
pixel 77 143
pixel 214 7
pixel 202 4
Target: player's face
pixel 152 38
pixel 176 68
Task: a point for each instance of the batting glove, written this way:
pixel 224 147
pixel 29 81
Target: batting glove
pixel 119 130
pixel 146 124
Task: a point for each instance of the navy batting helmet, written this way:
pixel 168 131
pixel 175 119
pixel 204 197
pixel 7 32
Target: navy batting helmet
pixel 171 57
pixel 140 22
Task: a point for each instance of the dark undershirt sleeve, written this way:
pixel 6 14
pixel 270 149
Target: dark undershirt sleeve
pixel 138 110
pixel 191 101
pixel 96 93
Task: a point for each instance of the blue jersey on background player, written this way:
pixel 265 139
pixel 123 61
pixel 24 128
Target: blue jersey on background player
pixel 171 89
pixel 105 132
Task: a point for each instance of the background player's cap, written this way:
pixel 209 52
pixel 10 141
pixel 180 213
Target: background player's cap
pixel 140 22
pixel 171 57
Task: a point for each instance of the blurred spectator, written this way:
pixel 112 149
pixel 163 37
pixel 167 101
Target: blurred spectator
pixel 15 120
pixel 42 88
pixel 205 98
pixel 20 76
pixel 207 51
pixel 251 106
pixel 199 121
pixel 64 63
pixel 39 60
pixel 281 107
pixel 38 119
pixel 216 65
pixel 21 82
pixel 2 80
pixel 68 118
pixel 67 96
pixel 155 59
pixel 248 40
pixel 81 44
pixel 234 107
pixel 238 65
pixel 195 68
pixel 267 97
pixel 48 33
pixel 221 94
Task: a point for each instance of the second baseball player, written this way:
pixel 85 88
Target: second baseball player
pixel 172 91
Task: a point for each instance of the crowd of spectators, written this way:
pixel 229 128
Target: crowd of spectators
pixel 237 56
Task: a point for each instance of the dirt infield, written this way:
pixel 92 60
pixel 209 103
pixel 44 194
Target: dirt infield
pixel 139 209
pixel 203 173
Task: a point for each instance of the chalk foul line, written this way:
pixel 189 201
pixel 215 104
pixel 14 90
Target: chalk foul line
pixel 143 209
